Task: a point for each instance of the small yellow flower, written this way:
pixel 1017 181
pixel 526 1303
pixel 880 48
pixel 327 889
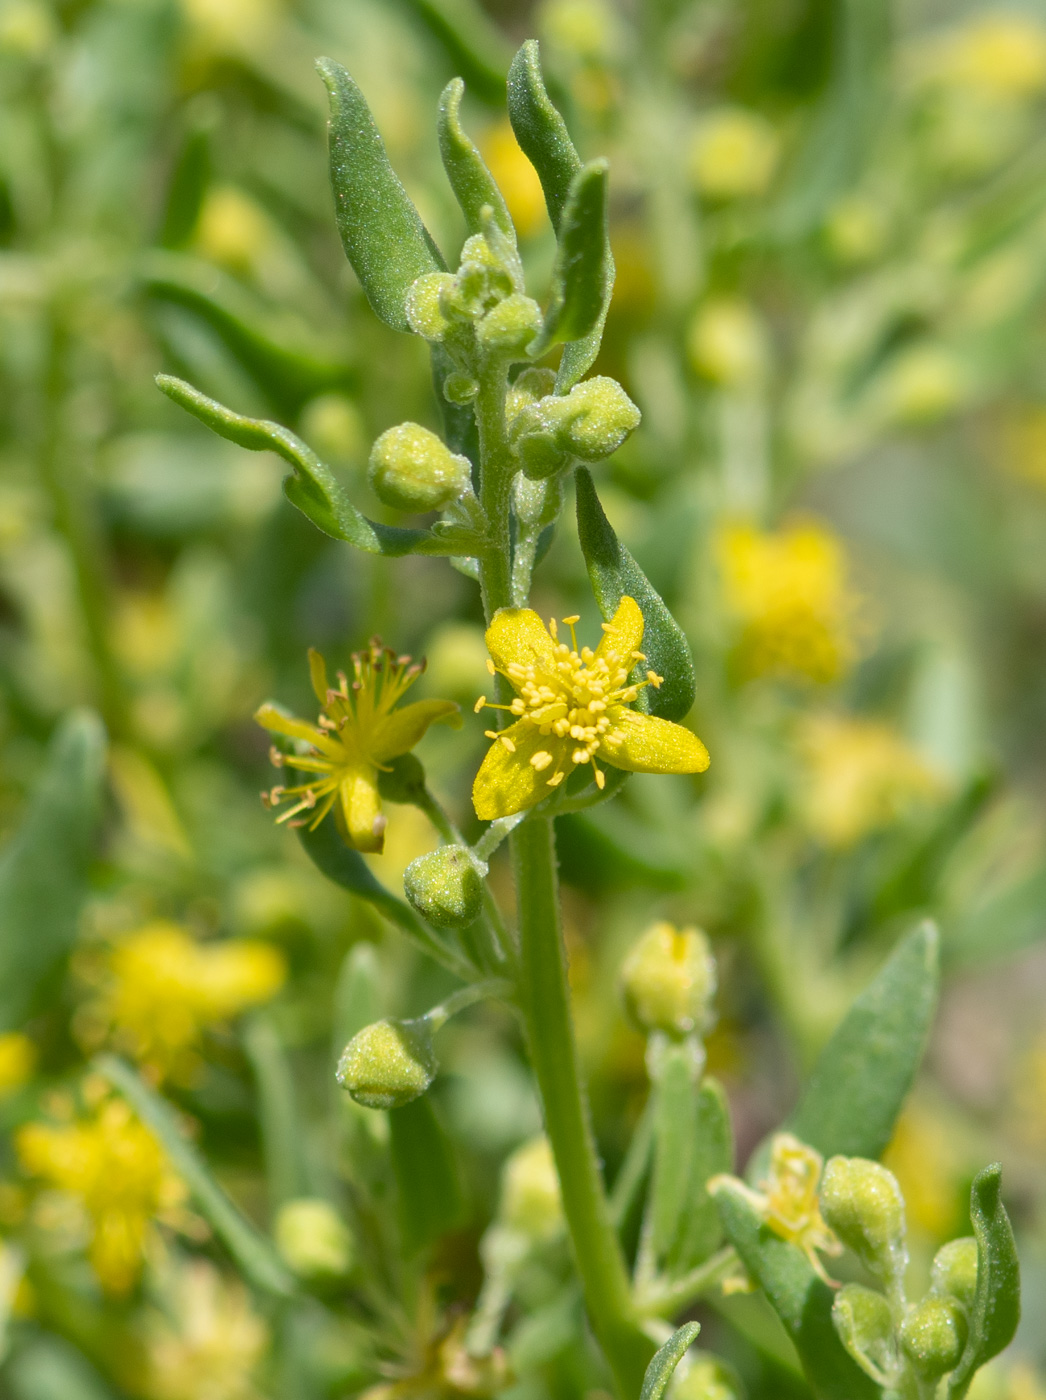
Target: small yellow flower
pixel 569 706
pixel 787 1200
pixel 727 343
pixel 1000 55
pixel 734 154
pixel 787 590
pixel 207 1343
pixel 162 990
pixel 17 1061
pixel 358 732
pixel 516 178
pixel 120 1174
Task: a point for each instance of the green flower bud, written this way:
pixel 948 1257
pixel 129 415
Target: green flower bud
pixel 412 469
pixel 865 1326
pixel 602 416
pixel 707 1378
pixel 460 388
pixel 531 1203
pixel 388 1064
pixel 668 980
pixel 932 1336
pixel 541 455
pixel 444 887
pixel 533 384
pixel 954 1270
pixel 311 1236
pixel 862 1202
pixel 423 305
pixel 511 325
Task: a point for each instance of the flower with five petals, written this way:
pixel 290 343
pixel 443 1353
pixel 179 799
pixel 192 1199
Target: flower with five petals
pixel 570 706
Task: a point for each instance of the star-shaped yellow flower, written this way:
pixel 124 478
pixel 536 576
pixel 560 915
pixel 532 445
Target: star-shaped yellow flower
pixel 571 705
pixel 357 734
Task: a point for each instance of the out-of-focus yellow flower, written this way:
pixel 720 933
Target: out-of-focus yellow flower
pixel 788 1201
pixel 162 989
pixel 1000 55
pixel 26 28
pixel 232 229
pixel 1029 1096
pixel 923 1157
pixel 114 1166
pixel 1023 444
pixel 530 1197
pixel 208 1344
pixel 358 732
pixel 232 24
pixel 788 592
pixel 861 776
pixel 734 154
pixel 585 29
pixel 727 343
pixel 857 229
pixel 571 705
pixel 921 385
pixel 515 177
pixel 17 1061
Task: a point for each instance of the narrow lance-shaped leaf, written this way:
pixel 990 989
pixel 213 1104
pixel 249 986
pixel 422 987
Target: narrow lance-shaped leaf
pixel 313 488
pixel 662 1368
pixel 252 1252
pixel 699 1231
pixel 861 1077
pixel 997 1301
pixel 472 183
pixel 675 1124
pixel 613 573
pixel 43 868
pixel 430 1199
pixel 381 231
pixel 541 131
pixel 579 274
pixel 285 1170
pixel 801 1299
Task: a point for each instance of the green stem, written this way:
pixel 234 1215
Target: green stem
pixel 545 1000
pixel 666 1298
pixel 496 472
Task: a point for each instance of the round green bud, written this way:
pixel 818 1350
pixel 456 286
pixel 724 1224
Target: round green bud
pixel 707 1378
pixel 932 1336
pixel 531 1203
pixel 542 455
pixel 862 1202
pixel 444 887
pixel 668 980
pixel 534 383
pixel 388 1064
pixel 510 325
pixel 864 1324
pixel 601 417
pixel 460 388
pixel 423 307
pixel 955 1270
pixel 412 469
pixel 312 1238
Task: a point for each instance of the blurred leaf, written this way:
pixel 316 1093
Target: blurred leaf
pixel 613 573
pixel 430 1199
pixel 252 1252
pixel 675 1129
pixel 660 1370
pixel 996 1306
pixel 471 181
pixel 801 1299
pixel 1004 925
pixel 861 1077
pixel 190 177
pixel 287 376
pixel 43 867
pixel 541 131
pixel 579 276
pixel 50 1369
pixel 384 238
pixel 699 1231
pixel 285 1169
pixel 313 488
pixel 357 1001
pixel 475 45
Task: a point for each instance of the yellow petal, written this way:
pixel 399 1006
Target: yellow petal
pixel 360 808
pixel 652 745
pixel 509 782
pixel 318 675
pixel 517 635
pixel 400 730
pixel 269 717
pixel 624 632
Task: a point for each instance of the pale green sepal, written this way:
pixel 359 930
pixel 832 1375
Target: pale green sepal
pixel 996 1306
pixel 471 181
pixel 661 1369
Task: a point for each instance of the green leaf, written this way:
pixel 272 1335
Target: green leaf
pixel 801 1299
pixel 661 1369
pixel 287 377
pixel 382 233
pixel 1001 926
pixel 357 1000
pixel 675 1131
pixel 475 44
pixel 347 868
pixel 700 1231
pixel 190 177
pixel 44 867
pixel 471 181
pixel 430 1199
pixel 50 1369
pixel 614 573
pixel 862 1075
pixel 997 1302
pixel 252 1252
pixel 579 275
pixel 313 488
pixel 285 1172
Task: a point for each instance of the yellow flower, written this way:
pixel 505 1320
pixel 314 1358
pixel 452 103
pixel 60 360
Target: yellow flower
pixel 163 989
pixel 927 1161
pixel 734 153
pixel 788 591
pixel 17 1061
pixel 1000 55
pixel 787 1200
pixel 727 343
pixel 358 732
pixel 118 1171
pixel 208 1342
pixel 569 706
pixel 516 178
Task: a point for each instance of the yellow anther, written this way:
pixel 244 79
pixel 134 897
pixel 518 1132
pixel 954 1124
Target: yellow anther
pixel 507 742
pixel 556 779
pixel 491 667
pixel 479 704
pixel 572 619
pixel 541 760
